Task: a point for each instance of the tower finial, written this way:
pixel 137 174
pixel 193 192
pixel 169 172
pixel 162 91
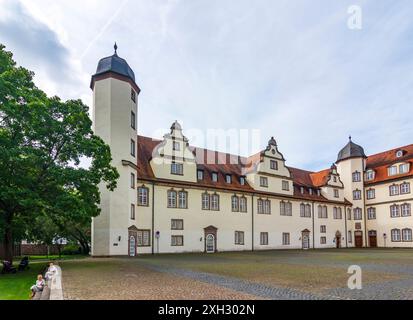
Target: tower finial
pixel 116 48
pixel 349 137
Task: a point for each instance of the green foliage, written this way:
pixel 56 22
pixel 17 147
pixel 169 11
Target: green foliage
pixel 71 249
pixel 42 141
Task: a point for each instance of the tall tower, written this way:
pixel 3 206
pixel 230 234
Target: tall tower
pixel 351 164
pixel 115 97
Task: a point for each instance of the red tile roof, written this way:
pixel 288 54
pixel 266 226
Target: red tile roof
pixel 381 161
pixel 224 164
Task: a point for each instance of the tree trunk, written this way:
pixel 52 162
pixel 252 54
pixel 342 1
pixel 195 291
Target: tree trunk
pixel 8 243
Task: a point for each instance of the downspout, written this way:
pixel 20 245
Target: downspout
pixel 365 221
pixel 252 222
pixel 345 225
pixel 153 218
pixel 313 226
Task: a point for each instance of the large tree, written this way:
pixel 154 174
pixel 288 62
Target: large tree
pixel 42 143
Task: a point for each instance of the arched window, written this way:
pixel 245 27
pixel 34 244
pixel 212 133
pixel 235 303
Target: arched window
pixel 407 235
pixel 395 235
pixel 205 201
pixel 235 203
pixel 171 198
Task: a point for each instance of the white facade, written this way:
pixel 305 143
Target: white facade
pixel 168 202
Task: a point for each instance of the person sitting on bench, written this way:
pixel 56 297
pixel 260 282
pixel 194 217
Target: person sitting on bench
pixel 39 286
pixel 51 272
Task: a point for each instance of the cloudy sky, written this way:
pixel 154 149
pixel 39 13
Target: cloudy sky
pixel 291 68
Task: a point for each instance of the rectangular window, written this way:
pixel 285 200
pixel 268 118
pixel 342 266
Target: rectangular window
pixel 171 199
pixel 242 181
pixel 274 165
pixel 132 148
pixel 323 229
pixel 132 211
pixel 286 239
pixel 228 178
pixel 260 205
pixel 143 196
pixel 243 204
pixel 358 214
pixel 407 235
pixel 214 177
pixel 395 235
pixel 133 120
pixel 264 182
pixel 285 185
pixel 405 188
pixel 132 181
pixel 350 237
pixel 371 213
pixel 182 200
pixel 177 168
pixel 177 224
pixel 133 95
pixel 144 238
pixel 264 238
pixel 267 207
pixel 356 176
pixel 370 175
pixel 323 240
pixel 235 204
pixel 356 195
pixel 200 175
pixel 404 168
pixel 239 237
pixel 392 170
pixel 286 208
pixel 176 146
pixel 215 202
pixel 394 190
pixel 336 193
pixel 177 241
pixel 205 201
pixel 371 194
pixel 394 211
pixel 406 210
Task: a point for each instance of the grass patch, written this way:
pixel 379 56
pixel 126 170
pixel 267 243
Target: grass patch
pixel 17 286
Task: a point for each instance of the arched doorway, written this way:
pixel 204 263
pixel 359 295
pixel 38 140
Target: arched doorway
pixel 132 241
pixel 210 243
pixel 210 236
pixel 373 239
pixel 305 239
pixel 338 239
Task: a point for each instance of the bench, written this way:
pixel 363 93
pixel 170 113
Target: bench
pixel 44 295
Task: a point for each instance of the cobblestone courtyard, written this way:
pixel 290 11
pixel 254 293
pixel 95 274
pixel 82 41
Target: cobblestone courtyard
pixel 387 274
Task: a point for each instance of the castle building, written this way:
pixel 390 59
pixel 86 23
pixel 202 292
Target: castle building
pixel 172 197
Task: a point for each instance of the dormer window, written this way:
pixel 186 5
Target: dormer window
pixel 228 178
pixel 399 153
pixel 242 181
pixel 302 190
pixel 404 168
pixel 200 175
pixel 392 170
pixel 214 177
pixel 370 175
pixel 274 165
pixel 310 191
pixel 177 168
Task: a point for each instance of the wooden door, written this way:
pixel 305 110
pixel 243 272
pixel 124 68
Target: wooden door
pixel 373 239
pixel 358 239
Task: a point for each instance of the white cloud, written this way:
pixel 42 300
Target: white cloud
pixel 292 69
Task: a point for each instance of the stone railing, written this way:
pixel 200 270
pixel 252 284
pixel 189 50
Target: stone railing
pixel 55 284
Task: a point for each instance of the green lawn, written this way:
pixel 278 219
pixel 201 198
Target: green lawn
pixel 17 286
